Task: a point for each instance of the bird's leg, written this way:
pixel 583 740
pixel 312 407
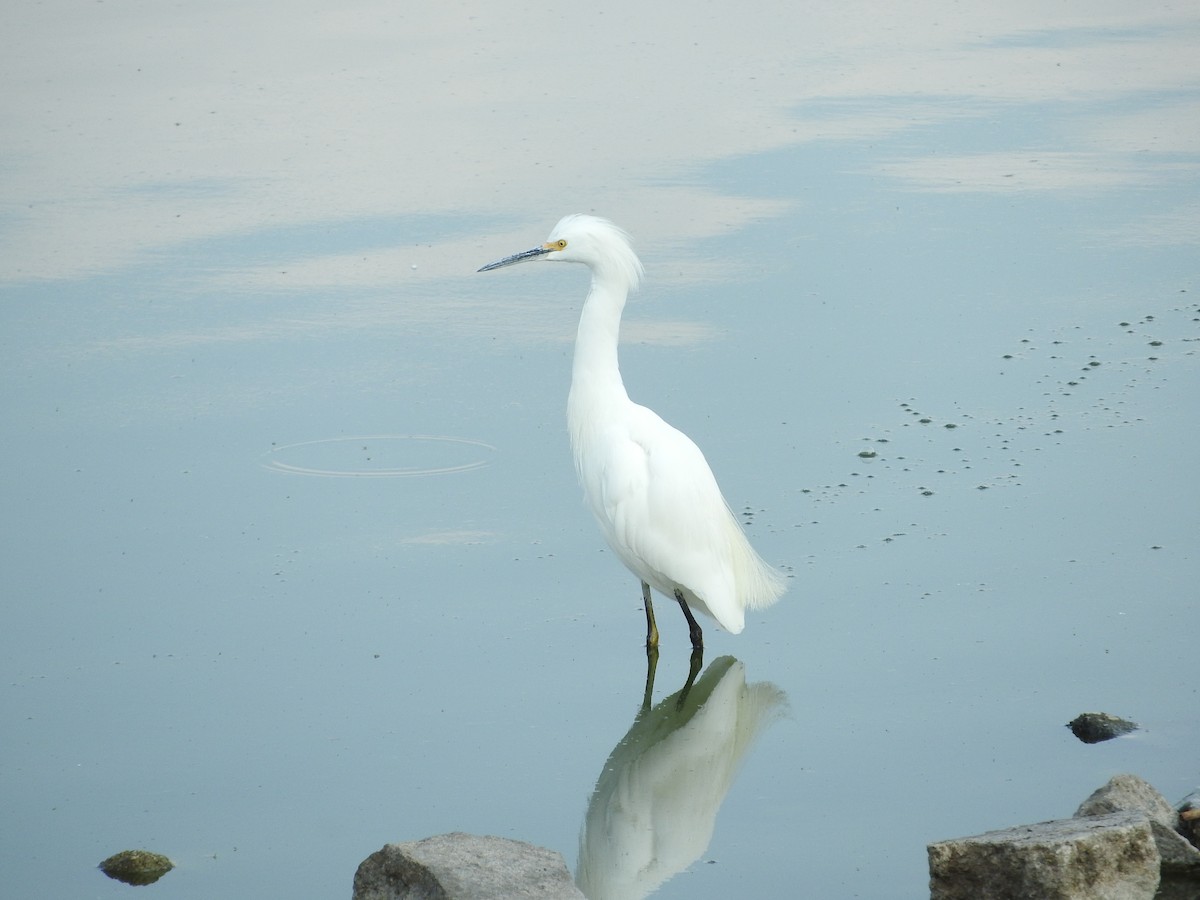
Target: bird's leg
pixel 651 625
pixel 651 647
pixel 693 628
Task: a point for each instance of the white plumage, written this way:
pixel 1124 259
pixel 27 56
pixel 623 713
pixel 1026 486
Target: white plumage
pixel 648 485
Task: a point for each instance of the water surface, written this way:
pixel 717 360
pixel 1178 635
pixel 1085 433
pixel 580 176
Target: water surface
pixel 294 560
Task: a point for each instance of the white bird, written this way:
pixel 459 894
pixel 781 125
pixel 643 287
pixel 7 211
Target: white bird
pixel 648 485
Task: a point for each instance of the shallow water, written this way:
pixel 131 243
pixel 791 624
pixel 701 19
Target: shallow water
pixel 295 560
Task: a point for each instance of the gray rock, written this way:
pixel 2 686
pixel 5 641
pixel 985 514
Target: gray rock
pixel 1129 793
pixel 1132 794
pixel 464 867
pixel 1110 857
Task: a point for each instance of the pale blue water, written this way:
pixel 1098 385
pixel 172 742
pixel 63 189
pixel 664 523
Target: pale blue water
pixel 248 622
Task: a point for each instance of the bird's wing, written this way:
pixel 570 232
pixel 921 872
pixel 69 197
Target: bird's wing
pixel 666 517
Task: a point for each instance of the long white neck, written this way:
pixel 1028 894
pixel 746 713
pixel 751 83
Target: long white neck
pixel 597 391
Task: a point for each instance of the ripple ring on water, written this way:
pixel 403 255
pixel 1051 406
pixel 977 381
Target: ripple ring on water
pixel 371 449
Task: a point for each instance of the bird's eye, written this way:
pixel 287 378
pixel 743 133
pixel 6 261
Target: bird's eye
pixel 560 244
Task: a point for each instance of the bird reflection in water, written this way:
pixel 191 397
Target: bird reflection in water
pixel 655 804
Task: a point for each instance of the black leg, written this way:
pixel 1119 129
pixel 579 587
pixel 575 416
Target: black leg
pixel 651 626
pixel 693 627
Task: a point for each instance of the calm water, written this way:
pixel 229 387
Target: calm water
pixel 294 561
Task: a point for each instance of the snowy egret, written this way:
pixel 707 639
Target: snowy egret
pixel 648 485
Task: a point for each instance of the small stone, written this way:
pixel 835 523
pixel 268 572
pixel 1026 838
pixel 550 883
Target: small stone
pixel 136 866
pixel 1092 728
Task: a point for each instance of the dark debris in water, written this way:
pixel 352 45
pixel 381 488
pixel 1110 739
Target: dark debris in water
pixel 1092 728
pixel 1060 384
pixel 136 866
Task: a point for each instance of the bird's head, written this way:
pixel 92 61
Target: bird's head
pixel 596 242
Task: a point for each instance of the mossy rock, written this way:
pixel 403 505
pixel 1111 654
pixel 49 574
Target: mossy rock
pixel 136 866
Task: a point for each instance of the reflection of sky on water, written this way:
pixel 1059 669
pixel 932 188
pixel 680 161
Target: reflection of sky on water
pixel 140 127
pixel 236 228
